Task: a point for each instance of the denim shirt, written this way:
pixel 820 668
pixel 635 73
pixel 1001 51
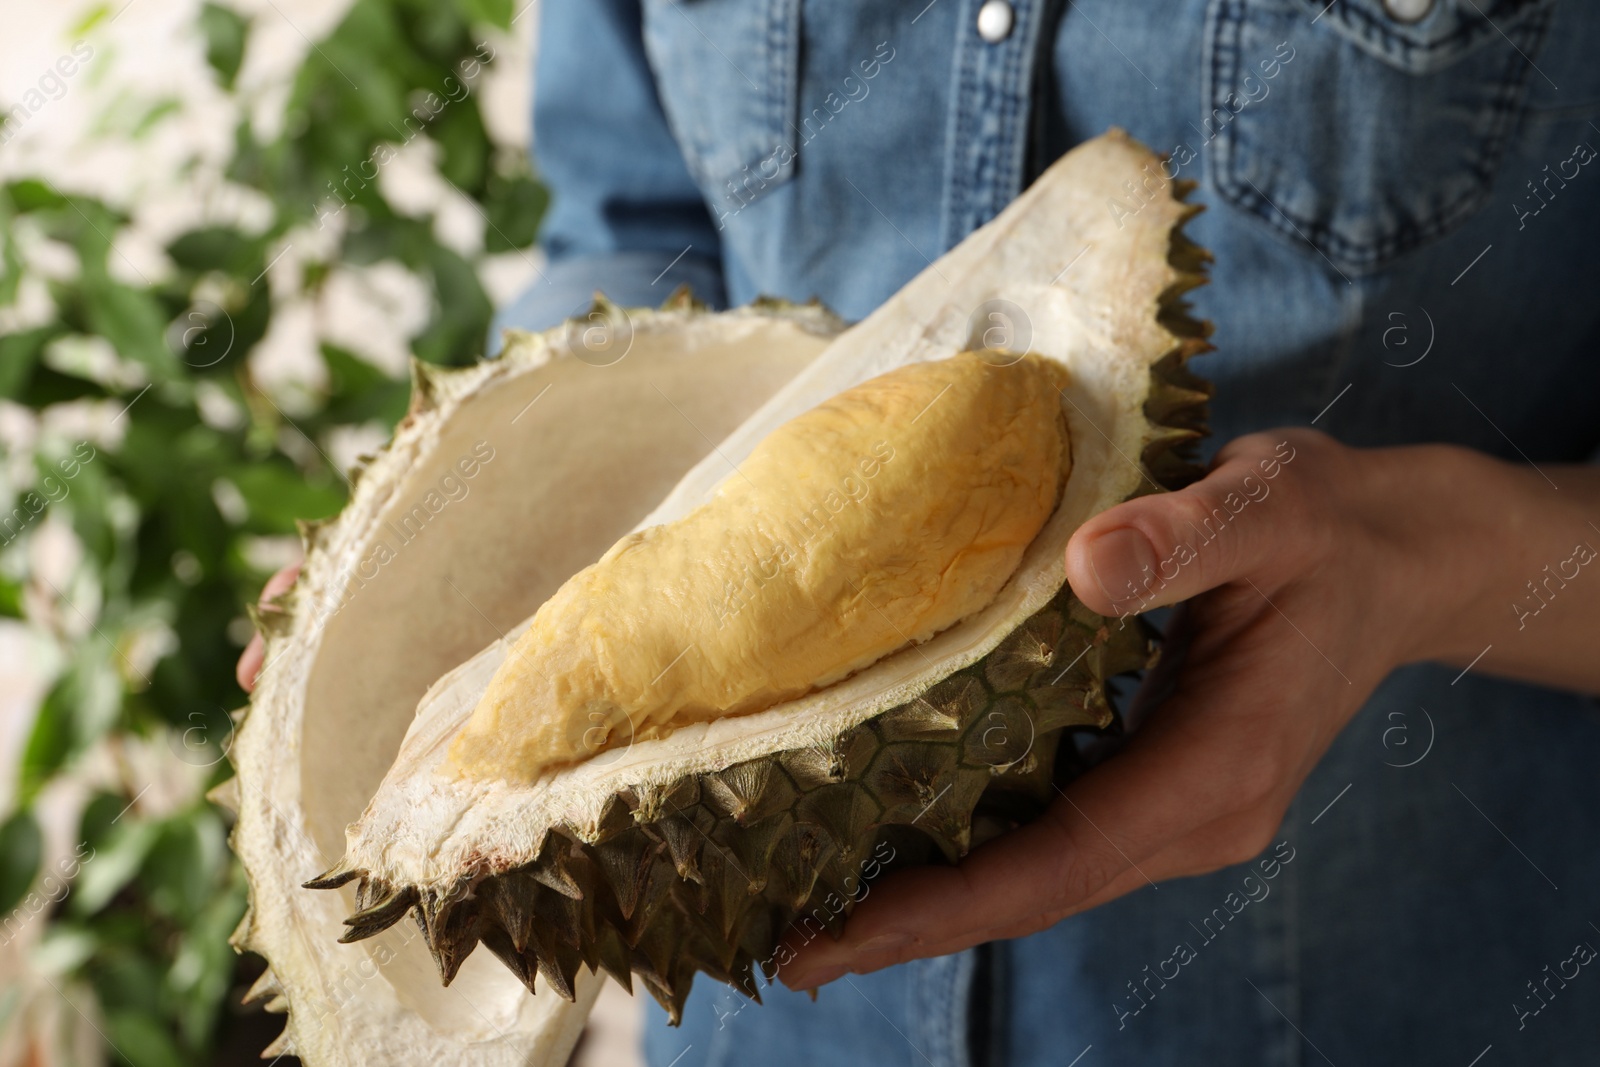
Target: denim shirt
pixel 1403 198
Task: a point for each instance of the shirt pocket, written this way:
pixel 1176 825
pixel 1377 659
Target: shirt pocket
pixel 727 73
pixel 1364 133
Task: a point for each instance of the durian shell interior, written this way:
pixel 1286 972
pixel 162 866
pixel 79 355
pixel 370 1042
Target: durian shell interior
pixel 367 631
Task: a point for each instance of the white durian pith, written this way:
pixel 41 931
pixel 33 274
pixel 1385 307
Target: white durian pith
pixel 596 451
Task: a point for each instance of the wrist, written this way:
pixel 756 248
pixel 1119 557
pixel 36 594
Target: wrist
pixel 1456 513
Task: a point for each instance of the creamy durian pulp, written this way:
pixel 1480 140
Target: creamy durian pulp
pixel 869 523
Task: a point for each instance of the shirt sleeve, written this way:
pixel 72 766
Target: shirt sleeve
pixel 625 216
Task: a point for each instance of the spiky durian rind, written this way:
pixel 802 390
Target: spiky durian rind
pixel 706 874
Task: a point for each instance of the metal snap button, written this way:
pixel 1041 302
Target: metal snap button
pixel 995 19
pixel 1408 10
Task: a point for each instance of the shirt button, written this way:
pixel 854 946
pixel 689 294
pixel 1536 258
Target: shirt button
pixel 1408 10
pixel 995 19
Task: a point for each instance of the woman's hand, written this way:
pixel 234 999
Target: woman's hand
pixel 250 660
pixel 1311 570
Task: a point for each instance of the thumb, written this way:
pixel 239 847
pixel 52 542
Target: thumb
pixel 1160 549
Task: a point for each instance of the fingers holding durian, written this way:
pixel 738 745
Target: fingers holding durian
pixel 1281 651
pixel 1451 555
pixel 1260 514
pixel 1203 785
pixel 248 669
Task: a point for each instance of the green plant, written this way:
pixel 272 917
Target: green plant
pixel 195 465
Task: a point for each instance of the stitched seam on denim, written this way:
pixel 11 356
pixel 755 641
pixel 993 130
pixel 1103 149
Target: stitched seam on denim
pixel 1490 151
pixel 948 194
pixel 958 200
pixel 1358 255
pixel 987 167
pixel 978 147
pixel 1003 62
pixel 783 95
pixel 1380 31
pixel 970 102
pixel 1012 86
pixel 771 73
pixel 1019 85
pixel 1219 17
pixel 1004 87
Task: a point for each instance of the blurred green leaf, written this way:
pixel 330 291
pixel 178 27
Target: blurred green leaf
pixel 514 204
pixel 90 505
pixel 21 851
pixel 225 32
pixel 19 354
pixel 64 948
pixel 90 19
pixel 359 392
pixel 80 707
pixel 100 817
pixel 349 374
pixel 115 863
pixel 218 248
pixel 277 495
pixel 88 225
pixel 49 744
pixel 11 266
pixel 494 12
pixel 46 386
pixel 10 598
pixel 204 963
pixel 30 194
pixel 141 1042
pixel 132 320
pixel 456 335
pixel 463 147
pixel 180 872
pixel 153 115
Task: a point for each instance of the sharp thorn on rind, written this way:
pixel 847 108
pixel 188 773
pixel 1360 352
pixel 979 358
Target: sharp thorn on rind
pixel 282 1045
pixel 380 915
pixel 265 986
pixel 334 877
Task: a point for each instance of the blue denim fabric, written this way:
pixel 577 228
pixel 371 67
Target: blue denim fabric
pixel 1403 216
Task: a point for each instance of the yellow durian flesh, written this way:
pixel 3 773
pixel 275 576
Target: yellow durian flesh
pixel 871 522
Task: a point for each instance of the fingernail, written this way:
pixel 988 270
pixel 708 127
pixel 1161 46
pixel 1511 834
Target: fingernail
pixel 883 943
pixel 1124 565
pixel 813 979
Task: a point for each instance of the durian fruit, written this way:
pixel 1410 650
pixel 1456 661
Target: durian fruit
pixel 823 553
pixel 695 843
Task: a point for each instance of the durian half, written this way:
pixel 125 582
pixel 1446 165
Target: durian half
pixel 695 850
